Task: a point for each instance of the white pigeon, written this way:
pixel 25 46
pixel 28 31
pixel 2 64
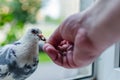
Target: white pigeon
pixel 20 59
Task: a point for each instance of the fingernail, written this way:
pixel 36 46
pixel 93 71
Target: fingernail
pixel 45 47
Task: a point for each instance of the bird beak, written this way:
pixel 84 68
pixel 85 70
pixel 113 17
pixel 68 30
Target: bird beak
pixel 41 37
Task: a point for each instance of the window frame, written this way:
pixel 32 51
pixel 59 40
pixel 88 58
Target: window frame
pixel 117 57
pixel 90 76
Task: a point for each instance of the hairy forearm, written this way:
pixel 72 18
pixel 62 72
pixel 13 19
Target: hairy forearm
pixel 104 19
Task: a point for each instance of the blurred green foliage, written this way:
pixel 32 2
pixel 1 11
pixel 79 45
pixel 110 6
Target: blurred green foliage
pixel 44 57
pixel 17 13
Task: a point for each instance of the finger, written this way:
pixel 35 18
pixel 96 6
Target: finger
pixel 65 62
pixel 50 50
pixel 53 54
pixel 58 60
pixel 70 59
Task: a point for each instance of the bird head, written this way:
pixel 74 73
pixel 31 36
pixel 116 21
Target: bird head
pixel 34 34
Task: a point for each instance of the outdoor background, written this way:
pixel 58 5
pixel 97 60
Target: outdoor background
pixel 16 16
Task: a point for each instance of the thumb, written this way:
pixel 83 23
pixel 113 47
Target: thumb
pixel 82 48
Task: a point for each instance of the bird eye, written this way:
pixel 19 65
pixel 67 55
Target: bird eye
pixel 34 31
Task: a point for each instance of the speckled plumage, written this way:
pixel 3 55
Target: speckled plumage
pixel 20 59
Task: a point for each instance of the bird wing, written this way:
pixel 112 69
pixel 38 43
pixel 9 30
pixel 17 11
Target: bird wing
pixel 7 57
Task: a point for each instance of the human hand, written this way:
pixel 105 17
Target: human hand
pixel 88 34
pixel 69 46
